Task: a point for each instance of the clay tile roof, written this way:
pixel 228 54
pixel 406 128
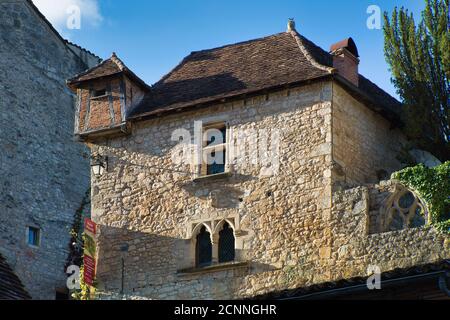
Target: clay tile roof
pixel 440 267
pixel 232 70
pixel 10 286
pixel 373 94
pixel 105 68
pixel 108 67
pixel 348 44
pixel 262 64
pixel 240 69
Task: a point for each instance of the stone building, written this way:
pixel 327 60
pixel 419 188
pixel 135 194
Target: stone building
pixel 44 174
pixel 284 186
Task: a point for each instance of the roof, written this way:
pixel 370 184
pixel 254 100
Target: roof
pixel 240 69
pixel 344 286
pixel 231 70
pixel 106 68
pixel 11 288
pixel 83 49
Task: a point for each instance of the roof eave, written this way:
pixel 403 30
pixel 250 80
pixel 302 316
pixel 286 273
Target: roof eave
pixel 74 82
pixel 163 112
pixel 356 92
pixel 355 289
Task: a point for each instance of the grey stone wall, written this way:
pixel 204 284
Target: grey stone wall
pixel 43 173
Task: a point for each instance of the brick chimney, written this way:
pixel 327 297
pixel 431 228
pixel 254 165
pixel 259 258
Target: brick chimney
pixel 346 60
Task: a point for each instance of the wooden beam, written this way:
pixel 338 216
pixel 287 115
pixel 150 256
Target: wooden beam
pixel 111 106
pixel 77 112
pixel 123 99
pixel 88 112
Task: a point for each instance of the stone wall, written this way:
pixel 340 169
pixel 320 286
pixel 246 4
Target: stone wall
pixel 291 231
pixel 365 145
pixel 147 212
pixel 43 173
pixel 355 246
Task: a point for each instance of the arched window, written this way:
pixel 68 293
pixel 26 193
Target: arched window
pixel 203 248
pixel 226 244
pixel 405 210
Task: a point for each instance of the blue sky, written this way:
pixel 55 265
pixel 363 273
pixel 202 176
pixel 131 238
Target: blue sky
pixel 152 37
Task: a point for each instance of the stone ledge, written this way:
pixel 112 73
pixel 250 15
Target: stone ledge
pixel 214 177
pixel 213 268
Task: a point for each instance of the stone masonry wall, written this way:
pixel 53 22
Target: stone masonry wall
pixel 43 173
pixel 146 212
pixel 355 248
pixel 365 145
pixel 290 230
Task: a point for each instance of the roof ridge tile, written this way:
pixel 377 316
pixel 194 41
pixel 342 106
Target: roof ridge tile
pixel 308 55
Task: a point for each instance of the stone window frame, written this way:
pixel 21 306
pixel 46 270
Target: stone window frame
pixel 218 124
pixel 407 214
pixel 213 227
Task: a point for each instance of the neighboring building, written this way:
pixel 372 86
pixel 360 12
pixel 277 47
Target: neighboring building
pixel 312 212
pixel 44 174
pixel 11 288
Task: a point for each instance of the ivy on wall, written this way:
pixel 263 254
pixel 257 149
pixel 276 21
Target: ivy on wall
pixel 433 186
pixel 85 291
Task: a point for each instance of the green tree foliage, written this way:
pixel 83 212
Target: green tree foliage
pixel 433 186
pixel 419 59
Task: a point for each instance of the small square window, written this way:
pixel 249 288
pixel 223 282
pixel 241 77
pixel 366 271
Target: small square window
pixel 98 93
pixel 34 235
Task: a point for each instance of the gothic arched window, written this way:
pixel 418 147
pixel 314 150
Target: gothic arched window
pixel 226 244
pixel 203 248
pixel 405 210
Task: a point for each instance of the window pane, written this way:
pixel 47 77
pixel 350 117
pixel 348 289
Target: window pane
pixel 406 201
pixel 397 221
pixel 216 163
pixel 98 93
pixel 418 219
pixel 30 236
pixel 226 244
pixel 216 136
pixel 33 236
pixel 203 249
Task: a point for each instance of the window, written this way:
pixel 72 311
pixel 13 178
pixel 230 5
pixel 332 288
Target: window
pixel 405 210
pixel 226 244
pixel 98 93
pixel 214 149
pixel 33 237
pixel 203 250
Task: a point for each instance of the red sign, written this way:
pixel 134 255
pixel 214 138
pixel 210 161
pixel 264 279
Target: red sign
pixel 90 226
pixel 89 270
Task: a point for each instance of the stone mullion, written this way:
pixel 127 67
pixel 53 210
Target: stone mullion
pixel 215 248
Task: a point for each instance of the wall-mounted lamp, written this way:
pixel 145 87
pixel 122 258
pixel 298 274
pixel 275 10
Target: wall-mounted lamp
pixel 99 164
